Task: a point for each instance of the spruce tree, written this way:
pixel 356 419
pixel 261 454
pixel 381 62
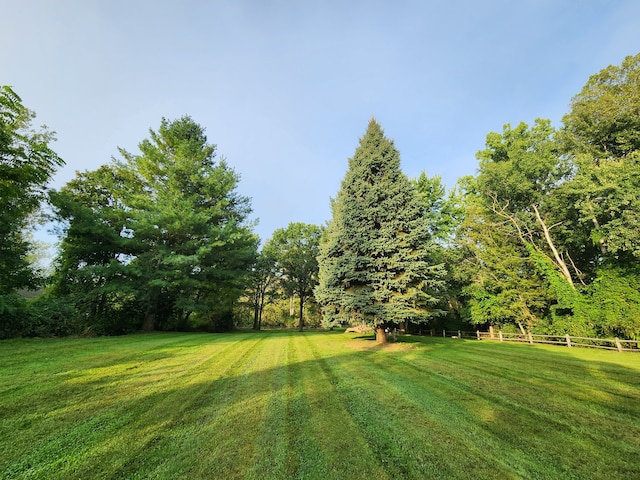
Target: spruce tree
pixel 375 257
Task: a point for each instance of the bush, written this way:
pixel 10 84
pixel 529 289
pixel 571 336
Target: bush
pixel 13 313
pixel 52 317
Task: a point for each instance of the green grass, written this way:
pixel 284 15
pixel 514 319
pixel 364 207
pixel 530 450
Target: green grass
pixel 314 405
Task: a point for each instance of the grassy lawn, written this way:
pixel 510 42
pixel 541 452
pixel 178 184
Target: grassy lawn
pixel 314 405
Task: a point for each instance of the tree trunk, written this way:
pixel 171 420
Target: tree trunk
pixel 301 324
pixel 149 322
pixel 559 261
pixel 381 336
pixel 256 317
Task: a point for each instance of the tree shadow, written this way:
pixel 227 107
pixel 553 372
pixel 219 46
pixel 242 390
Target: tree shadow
pixel 296 410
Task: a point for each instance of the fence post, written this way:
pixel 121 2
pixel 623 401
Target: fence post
pixel 568 340
pixel 478 334
pixel 500 335
pixel 530 338
pixel 491 332
pixel 618 344
pixel 459 334
pixel 444 333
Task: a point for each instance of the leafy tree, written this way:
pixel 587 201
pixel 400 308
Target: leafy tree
pixel 295 250
pixel 91 269
pixel 187 219
pixel 553 215
pixel 604 120
pixel 444 213
pixel 601 135
pixel 262 280
pixel 601 138
pixel 27 163
pixel 501 283
pixel 510 219
pixel 376 261
pixel 162 233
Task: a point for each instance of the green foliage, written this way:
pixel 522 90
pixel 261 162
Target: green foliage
pixel 551 229
pixel 157 240
pixel 601 136
pixel 27 163
pixel 376 262
pixel 42 316
pixel 51 316
pixel 294 250
pixel 13 315
pixel 613 302
pixel 503 284
pixel 604 120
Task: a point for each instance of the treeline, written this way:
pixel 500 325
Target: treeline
pixel 545 237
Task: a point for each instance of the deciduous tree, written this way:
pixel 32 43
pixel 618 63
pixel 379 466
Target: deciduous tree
pixel 295 250
pixel 27 163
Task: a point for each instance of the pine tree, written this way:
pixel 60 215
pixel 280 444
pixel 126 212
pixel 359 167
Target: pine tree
pixel 375 257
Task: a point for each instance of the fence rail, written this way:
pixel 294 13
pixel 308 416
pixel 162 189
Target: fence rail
pixel 621 345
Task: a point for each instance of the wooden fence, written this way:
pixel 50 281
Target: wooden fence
pixel 566 340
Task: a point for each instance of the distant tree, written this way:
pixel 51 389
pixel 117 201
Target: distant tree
pixel 377 255
pixel 295 250
pixel 262 280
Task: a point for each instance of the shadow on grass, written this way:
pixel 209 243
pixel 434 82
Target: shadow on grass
pixel 281 404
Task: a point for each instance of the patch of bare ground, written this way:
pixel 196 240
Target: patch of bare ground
pixel 371 344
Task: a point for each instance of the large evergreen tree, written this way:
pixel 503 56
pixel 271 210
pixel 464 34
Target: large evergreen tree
pixel 164 227
pixel 375 259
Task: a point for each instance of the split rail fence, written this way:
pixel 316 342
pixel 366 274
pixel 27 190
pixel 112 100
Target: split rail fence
pixel 618 344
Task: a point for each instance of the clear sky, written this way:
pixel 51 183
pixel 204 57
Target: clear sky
pixel 286 88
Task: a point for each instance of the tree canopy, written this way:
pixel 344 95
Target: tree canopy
pixel 27 163
pixel 162 232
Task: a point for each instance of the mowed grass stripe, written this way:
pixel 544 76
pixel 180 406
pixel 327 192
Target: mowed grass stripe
pixel 271 445
pixel 404 439
pixel 450 420
pixel 333 445
pixel 553 386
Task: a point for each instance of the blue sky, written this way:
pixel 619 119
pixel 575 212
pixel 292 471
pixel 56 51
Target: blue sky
pixel 285 89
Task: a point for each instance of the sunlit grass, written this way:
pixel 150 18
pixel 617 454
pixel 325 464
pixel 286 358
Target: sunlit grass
pixel 314 405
